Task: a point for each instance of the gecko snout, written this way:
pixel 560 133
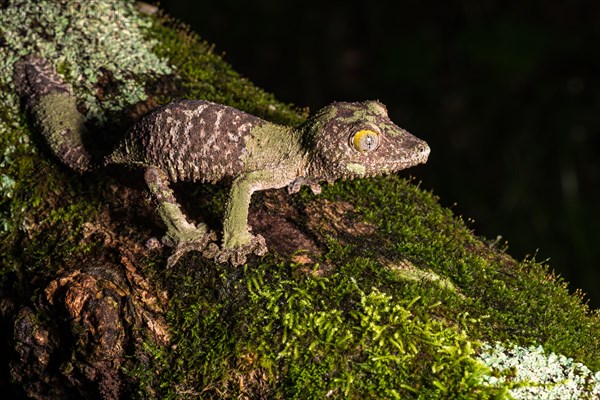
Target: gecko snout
pixel 417 150
pixel 423 151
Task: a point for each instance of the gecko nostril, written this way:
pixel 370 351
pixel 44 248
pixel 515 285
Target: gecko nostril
pixel 424 150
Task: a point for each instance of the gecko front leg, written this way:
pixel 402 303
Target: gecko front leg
pixel 181 234
pixel 238 242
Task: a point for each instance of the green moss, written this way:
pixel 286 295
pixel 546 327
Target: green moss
pixel 42 212
pixel 522 302
pixel 43 218
pixel 333 335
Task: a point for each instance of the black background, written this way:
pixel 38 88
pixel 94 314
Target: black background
pixel 506 94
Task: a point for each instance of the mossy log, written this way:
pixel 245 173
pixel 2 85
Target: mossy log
pixel 369 290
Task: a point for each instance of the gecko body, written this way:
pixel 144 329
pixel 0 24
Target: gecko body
pixel 201 141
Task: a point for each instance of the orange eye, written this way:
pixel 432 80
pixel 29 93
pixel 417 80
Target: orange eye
pixel 365 140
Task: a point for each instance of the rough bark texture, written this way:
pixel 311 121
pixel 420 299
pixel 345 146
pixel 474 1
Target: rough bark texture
pixel 73 340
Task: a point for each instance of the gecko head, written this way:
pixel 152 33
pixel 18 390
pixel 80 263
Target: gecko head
pixel 347 140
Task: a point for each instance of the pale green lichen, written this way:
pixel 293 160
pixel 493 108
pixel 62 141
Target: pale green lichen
pixel 355 168
pixel 8 180
pixel 7 183
pixel 84 41
pixel 536 375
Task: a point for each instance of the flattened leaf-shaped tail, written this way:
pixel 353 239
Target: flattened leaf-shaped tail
pixel 52 107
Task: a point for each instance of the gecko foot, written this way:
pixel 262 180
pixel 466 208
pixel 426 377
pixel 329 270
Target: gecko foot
pixel 237 255
pixel 199 244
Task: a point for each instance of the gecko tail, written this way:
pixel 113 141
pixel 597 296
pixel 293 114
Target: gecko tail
pixel 52 106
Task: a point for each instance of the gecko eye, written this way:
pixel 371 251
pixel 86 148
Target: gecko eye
pixel 365 140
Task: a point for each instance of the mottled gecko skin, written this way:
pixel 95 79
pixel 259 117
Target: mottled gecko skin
pixel 206 141
pixel 200 141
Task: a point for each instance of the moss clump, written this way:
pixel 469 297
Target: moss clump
pixel 273 330
pixel 518 302
pixel 40 222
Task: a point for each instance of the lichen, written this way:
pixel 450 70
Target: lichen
pixel 537 375
pixel 84 41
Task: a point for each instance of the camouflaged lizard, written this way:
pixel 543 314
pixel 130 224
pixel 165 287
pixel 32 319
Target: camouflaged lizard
pixel 196 140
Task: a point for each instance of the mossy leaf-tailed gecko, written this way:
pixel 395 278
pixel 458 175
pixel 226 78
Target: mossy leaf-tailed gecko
pixel 196 140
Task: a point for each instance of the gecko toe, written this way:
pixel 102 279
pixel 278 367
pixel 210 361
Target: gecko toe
pixel 201 244
pixel 211 251
pixel 237 259
pixel 260 246
pixel 237 256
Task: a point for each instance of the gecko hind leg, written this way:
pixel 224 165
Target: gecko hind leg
pixel 184 236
